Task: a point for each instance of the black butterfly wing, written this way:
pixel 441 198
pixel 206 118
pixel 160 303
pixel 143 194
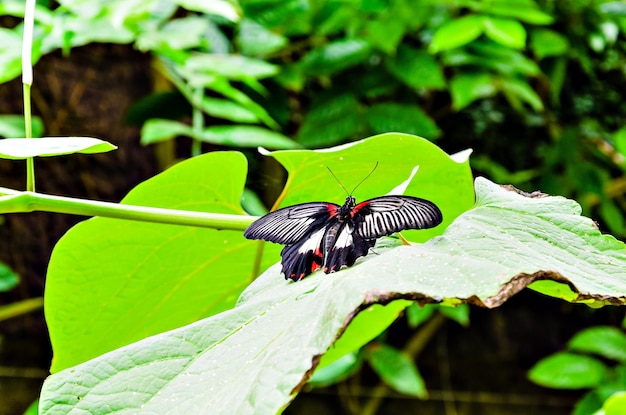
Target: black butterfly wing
pixel 382 216
pixel 291 224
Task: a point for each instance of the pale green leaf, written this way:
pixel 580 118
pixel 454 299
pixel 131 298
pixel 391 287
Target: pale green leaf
pixel 507 32
pixel 222 8
pixel 246 136
pixel 228 110
pixel 156 130
pixel 235 67
pixel 22 148
pixel 255 39
pixel 455 33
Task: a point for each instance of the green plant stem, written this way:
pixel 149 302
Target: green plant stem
pixel 20 307
pixel 27 81
pixel 28 127
pixel 14 201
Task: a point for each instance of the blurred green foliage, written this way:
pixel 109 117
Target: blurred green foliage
pixel 594 360
pixel 533 86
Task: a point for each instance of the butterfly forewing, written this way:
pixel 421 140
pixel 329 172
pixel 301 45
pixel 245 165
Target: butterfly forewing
pixel 382 216
pixel 289 225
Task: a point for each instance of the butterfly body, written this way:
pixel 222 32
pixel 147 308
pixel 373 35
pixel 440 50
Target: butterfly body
pixel 328 236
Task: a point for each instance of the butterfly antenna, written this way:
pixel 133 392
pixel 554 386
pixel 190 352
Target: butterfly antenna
pixel 340 184
pixel 364 179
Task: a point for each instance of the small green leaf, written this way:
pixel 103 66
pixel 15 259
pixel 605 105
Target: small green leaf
pixel 384 34
pixel 22 148
pixel 13 126
pixel 546 42
pixel 616 404
pixel 222 8
pixel 417 314
pixel 231 66
pixel 517 90
pixel 524 10
pixel 568 371
pixel 456 33
pixel 10 54
pixel 256 40
pixel 405 118
pixel 184 33
pixel 8 278
pixel 460 313
pixel 608 342
pixel 507 32
pixel 469 87
pixel 156 130
pixel 335 56
pixel 228 110
pixel 397 370
pixel 246 136
pixel 416 68
pixel 337 371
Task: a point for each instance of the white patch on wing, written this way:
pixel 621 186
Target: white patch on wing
pixel 313 242
pixel 344 239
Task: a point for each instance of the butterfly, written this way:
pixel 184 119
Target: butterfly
pixel 324 235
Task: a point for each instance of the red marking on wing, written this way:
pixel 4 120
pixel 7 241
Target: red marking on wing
pixel 332 209
pixel 358 207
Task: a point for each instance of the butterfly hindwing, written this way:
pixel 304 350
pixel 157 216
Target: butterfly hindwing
pixel 382 216
pixel 303 257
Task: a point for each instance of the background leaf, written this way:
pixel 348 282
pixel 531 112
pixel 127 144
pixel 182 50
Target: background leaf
pixel 21 148
pixel 568 371
pixel 608 342
pixel 455 33
pixel 396 370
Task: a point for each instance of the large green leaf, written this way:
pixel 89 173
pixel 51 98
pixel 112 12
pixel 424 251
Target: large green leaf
pixel 112 282
pixel 443 179
pixel 255 357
